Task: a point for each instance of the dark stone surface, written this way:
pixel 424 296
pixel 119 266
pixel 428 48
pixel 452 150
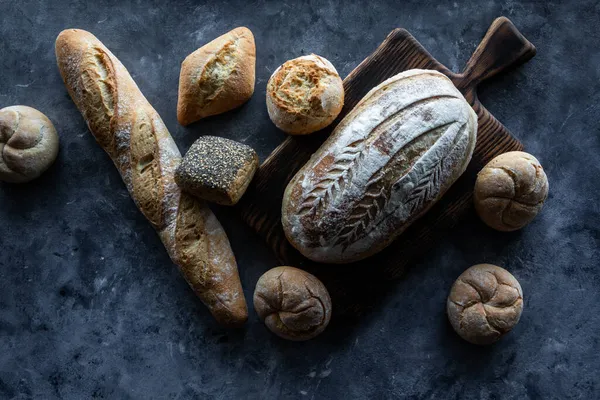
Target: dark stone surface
pixel 91 306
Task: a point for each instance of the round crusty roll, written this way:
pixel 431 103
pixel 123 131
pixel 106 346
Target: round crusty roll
pixel 294 304
pixel 510 191
pixel 304 95
pixel 28 143
pixel 484 304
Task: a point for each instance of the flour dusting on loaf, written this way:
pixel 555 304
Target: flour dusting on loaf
pixel 387 162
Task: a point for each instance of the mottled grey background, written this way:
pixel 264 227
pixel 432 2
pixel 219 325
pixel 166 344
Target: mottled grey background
pixel 92 307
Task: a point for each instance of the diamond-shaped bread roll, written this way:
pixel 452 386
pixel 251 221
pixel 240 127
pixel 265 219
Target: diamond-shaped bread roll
pixel 217 77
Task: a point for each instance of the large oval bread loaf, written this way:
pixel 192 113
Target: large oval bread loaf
pixel 387 162
pixel 138 142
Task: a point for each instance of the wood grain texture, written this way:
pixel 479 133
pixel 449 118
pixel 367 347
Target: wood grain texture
pixel 503 47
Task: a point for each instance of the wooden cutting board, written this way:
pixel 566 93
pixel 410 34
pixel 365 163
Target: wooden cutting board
pixel 355 287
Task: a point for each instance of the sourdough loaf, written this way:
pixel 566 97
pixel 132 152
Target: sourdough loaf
pixel 387 162
pixel 137 140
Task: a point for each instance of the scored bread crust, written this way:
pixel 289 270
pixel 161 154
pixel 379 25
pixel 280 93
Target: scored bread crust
pixel 304 95
pixel 217 77
pixel 138 142
pixel 385 164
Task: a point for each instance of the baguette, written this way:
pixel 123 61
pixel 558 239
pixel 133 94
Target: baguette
pixel 385 164
pixel 138 142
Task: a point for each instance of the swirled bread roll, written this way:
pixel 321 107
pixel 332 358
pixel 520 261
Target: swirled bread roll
pixel 510 191
pixel 137 140
pixel 484 304
pixel 294 304
pixel 28 143
pixel 304 95
pixel 386 163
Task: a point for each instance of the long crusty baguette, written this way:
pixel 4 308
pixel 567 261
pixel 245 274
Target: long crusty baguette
pixel 135 137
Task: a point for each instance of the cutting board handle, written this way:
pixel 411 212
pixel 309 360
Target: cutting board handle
pixel 502 47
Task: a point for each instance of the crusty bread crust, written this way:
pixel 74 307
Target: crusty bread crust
pixel 304 95
pixel 135 137
pixel 386 163
pixel 217 77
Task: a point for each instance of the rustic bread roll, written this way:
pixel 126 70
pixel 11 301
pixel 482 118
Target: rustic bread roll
pixel 510 191
pixel 28 143
pixel 294 304
pixel 217 77
pixel 137 140
pixel 386 163
pixel 304 95
pixel 217 169
pixel 484 304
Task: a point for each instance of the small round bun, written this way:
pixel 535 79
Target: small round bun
pixel 510 191
pixel 28 143
pixel 484 304
pixel 304 95
pixel 294 304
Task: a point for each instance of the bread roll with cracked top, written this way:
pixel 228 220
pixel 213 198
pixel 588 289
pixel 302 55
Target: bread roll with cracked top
pixel 485 303
pixel 510 191
pixel 294 304
pixel 138 142
pixel 386 163
pixel 28 144
pixel 304 95
pixel 217 77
